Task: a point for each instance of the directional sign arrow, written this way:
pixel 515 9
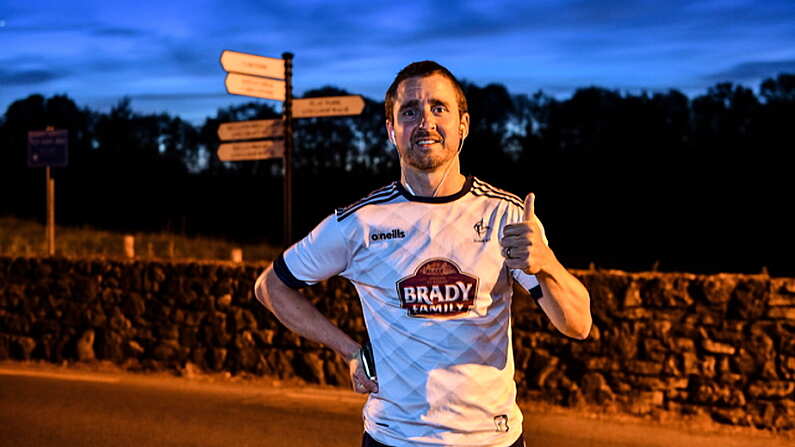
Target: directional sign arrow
pixel 249 130
pixel 252 150
pixel 327 106
pixel 239 84
pixel 252 64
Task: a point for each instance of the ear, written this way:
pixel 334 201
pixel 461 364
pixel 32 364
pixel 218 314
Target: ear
pixel 464 126
pixel 390 132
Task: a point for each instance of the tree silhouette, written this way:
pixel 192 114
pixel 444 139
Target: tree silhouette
pixel 626 180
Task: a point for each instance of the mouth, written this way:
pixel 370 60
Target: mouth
pixel 427 141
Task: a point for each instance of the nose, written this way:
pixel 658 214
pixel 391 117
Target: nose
pixel 427 120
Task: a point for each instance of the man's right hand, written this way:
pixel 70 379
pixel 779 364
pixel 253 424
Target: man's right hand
pixel 359 380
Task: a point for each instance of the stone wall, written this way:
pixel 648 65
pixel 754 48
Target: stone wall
pixel 721 345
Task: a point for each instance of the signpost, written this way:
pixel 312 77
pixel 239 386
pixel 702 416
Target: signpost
pixel 252 64
pixel 271 78
pixel 251 150
pixel 240 84
pixel 49 148
pixel 327 106
pixel 250 130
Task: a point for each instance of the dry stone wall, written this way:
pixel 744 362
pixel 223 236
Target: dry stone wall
pixel 722 345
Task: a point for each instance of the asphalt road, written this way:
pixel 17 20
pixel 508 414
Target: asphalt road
pixel 42 406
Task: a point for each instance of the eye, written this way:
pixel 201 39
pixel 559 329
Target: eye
pixel 407 113
pixel 439 108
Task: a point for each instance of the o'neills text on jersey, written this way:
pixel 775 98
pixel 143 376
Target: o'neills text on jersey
pixel 438 288
pixel 394 234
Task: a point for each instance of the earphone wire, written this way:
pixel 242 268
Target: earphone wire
pixel 447 169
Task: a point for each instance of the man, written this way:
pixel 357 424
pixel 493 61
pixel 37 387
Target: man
pixel 432 258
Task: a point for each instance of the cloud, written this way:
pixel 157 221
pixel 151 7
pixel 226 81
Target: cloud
pixel 107 31
pixel 29 77
pixel 751 71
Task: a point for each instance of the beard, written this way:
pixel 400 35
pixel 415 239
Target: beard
pixel 428 160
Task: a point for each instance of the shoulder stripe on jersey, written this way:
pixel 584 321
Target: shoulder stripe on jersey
pixel 494 196
pixel 504 195
pixel 480 182
pixel 507 195
pixel 485 186
pixel 478 191
pixel 342 211
pixel 380 192
pixel 380 199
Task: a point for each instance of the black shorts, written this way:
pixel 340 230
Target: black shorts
pixel 368 441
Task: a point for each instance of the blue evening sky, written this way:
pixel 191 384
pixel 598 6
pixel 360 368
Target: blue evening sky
pixel 164 54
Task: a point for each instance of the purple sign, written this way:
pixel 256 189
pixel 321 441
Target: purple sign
pixel 48 148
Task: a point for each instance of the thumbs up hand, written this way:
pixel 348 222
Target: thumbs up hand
pixel 523 245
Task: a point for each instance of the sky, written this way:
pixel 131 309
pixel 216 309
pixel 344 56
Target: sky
pixel 164 55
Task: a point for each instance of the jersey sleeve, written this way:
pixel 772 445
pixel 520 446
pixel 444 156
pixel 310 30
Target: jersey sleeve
pixel 528 282
pixel 320 255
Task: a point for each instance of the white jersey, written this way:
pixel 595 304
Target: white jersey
pixel 436 297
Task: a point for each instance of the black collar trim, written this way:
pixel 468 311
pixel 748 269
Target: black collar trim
pixel 442 199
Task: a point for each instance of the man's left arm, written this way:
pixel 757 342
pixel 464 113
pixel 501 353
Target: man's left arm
pixel 565 299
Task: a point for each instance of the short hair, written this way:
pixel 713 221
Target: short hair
pixel 423 69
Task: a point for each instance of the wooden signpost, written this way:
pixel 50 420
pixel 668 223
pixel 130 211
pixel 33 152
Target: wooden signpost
pixel 268 67
pixel 327 106
pixel 251 130
pixel 240 84
pixel 251 150
pixel 271 78
pixel 49 148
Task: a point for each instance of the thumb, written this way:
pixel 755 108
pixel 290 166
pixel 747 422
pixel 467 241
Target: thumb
pixel 529 207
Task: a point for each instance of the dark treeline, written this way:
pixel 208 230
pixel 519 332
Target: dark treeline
pixel 630 181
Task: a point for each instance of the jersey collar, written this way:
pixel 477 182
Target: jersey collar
pixel 440 199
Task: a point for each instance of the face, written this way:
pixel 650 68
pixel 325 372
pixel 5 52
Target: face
pixel 426 122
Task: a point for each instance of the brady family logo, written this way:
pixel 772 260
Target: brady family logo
pixel 394 234
pixel 438 288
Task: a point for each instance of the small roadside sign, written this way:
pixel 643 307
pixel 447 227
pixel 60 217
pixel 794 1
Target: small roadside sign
pixel 252 150
pixel 328 106
pixel 240 84
pixel 250 130
pixel 252 64
pixel 48 148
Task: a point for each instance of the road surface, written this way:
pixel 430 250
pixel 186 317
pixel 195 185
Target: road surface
pixel 51 406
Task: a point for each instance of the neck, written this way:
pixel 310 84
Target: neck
pixel 436 183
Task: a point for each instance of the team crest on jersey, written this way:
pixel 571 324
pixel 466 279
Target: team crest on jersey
pixel 501 422
pixel 437 288
pixel 481 231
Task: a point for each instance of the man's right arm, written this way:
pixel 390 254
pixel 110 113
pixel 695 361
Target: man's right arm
pixel 303 318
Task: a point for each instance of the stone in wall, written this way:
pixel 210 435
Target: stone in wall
pixel 720 345
pixel 749 299
pixel 666 291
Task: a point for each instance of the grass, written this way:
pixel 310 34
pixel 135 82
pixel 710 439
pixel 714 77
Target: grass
pixel 20 237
